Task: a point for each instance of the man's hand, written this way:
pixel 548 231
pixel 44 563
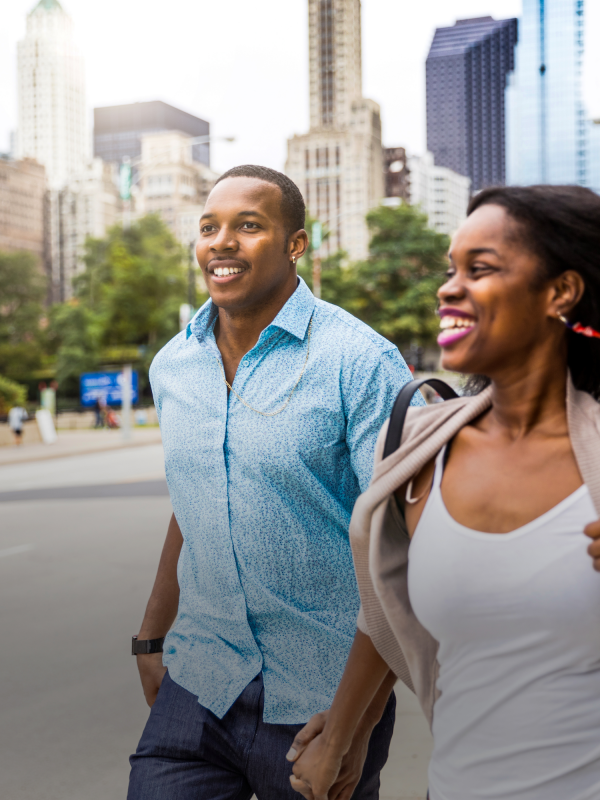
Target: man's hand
pixel 160 612
pixel 593 531
pixel 320 771
pixel 152 673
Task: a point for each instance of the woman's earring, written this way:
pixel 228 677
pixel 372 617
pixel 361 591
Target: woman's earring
pixel 563 319
pixel 293 259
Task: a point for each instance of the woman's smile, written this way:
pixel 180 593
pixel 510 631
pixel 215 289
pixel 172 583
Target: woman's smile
pixel 455 325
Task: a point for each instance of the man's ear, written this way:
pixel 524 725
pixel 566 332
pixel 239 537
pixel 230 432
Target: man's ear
pixel 297 244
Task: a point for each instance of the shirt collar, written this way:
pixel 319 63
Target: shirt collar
pixel 293 317
pixel 296 313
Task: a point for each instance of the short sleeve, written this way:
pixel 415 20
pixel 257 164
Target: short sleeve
pixel 370 389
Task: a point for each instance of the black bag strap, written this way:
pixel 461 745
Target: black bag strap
pixel 398 415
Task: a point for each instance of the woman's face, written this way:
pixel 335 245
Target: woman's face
pixel 493 312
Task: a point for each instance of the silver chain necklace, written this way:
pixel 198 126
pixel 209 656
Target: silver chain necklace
pixel 285 405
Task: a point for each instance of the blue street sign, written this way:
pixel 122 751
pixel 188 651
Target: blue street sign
pixel 106 385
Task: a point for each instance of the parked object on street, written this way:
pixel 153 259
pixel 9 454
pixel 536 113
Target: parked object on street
pixel 141 416
pixel 113 420
pixel 16 417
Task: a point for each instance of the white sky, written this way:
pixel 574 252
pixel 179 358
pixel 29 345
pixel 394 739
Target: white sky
pixel 243 65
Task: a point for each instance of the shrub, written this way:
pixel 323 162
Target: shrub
pixel 11 394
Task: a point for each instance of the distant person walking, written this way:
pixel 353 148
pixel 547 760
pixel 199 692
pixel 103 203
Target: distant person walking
pixel 100 410
pixel 269 402
pixel 16 417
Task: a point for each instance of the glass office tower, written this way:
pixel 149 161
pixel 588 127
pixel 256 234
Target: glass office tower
pixel 467 69
pixel 545 116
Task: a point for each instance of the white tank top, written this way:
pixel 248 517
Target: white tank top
pixel 517 617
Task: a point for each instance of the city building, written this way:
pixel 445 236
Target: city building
pixel 396 174
pixel 22 193
pixel 546 124
pixel 338 164
pixel 440 192
pixel 87 206
pixel 51 95
pixel 467 69
pixel 171 183
pixel 118 130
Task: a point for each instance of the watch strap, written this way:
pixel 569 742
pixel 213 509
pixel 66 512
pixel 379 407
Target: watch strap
pixel 146 646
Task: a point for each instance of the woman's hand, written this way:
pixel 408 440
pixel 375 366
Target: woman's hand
pixel 593 531
pixel 321 771
pixel 330 751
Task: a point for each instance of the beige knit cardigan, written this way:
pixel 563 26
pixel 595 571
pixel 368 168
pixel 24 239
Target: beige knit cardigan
pixel 380 541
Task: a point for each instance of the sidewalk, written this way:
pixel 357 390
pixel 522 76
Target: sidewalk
pixel 75 443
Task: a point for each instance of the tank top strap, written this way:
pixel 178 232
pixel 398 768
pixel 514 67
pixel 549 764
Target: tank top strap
pixel 440 463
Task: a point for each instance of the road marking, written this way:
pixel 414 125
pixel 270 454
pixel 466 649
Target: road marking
pixel 14 551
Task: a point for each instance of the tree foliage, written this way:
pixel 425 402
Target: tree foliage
pixel 394 290
pixel 127 299
pixel 125 305
pixel 396 287
pixel 11 394
pixel 22 292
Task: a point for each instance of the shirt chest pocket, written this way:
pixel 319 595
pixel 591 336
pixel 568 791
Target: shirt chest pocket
pixel 307 435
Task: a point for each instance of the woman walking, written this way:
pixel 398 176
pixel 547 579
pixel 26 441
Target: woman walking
pixel 477 578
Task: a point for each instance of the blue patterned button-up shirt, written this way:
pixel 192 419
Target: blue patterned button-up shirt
pixel 264 503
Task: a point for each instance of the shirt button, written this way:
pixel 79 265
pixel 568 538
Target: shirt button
pixel 244 363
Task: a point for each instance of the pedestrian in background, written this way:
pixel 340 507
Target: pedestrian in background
pixel 269 402
pixel 100 410
pixel 16 417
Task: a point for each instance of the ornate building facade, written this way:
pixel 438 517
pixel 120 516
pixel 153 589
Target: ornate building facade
pixel 338 164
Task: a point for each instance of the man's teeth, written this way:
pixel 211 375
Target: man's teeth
pixel 456 322
pixel 222 272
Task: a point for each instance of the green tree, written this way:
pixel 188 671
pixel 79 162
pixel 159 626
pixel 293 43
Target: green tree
pixel 22 292
pixel 394 290
pixel 11 394
pixel 126 303
pixel 331 265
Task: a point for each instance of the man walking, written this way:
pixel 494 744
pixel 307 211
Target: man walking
pixel 270 403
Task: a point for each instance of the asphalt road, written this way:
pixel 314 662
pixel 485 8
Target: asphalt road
pixel 80 539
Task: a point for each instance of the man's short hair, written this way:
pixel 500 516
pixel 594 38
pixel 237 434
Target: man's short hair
pixel 293 209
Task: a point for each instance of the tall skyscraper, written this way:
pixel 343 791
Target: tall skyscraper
pixel 338 164
pixel 118 130
pixel 467 69
pixel 52 114
pixel 546 121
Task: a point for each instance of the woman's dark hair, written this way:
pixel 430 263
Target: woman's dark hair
pixel 561 226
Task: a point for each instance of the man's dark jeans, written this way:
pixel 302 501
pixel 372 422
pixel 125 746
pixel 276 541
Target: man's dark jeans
pixel 187 753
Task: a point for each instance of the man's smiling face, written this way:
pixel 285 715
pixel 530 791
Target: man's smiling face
pixel 243 249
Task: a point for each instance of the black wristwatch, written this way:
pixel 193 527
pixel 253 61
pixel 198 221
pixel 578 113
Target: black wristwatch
pixel 146 646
